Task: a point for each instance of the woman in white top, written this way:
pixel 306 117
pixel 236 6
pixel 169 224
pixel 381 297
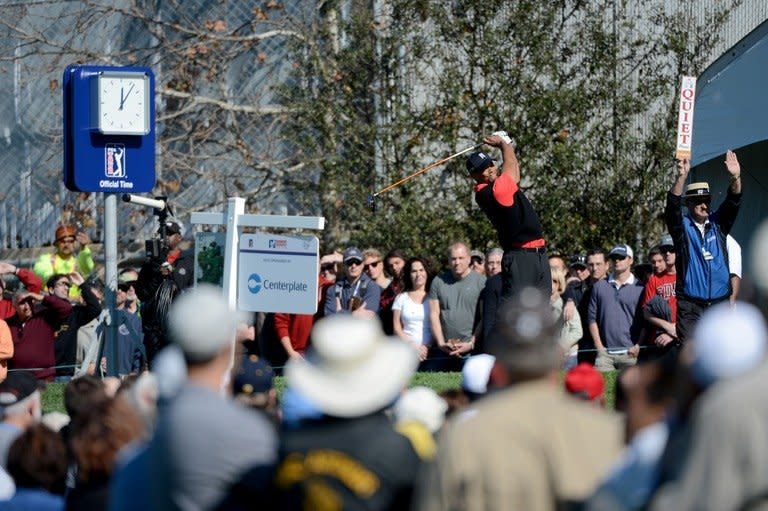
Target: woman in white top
pixel 410 311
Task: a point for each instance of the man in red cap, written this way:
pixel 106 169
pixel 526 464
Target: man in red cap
pixel 65 261
pixel 585 382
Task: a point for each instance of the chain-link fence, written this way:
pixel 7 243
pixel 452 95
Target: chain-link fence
pixel 217 65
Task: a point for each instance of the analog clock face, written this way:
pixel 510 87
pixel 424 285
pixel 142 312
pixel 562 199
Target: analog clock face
pixel 122 104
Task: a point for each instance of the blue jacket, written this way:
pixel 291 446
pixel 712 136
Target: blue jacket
pixel 702 261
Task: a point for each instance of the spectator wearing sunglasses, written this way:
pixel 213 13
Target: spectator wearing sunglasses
pixel 84 310
pixel 374 265
pixel 699 236
pixel 615 316
pixel 355 293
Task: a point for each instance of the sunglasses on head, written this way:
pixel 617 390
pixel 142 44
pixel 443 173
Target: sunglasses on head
pixel 374 264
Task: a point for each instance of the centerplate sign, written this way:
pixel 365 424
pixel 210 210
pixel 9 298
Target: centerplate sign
pixel 277 273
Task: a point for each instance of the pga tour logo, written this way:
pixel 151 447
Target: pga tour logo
pixel 278 243
pixel 114 160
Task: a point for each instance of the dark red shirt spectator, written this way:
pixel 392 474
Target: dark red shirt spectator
pixel 34 333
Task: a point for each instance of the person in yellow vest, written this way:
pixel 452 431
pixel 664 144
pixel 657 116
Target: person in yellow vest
pixel 65 260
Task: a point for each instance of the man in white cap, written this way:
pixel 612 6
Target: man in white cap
pixel 350 457
pixel 527 446
pixel 204 442
pixel 703 278
pixel 614 315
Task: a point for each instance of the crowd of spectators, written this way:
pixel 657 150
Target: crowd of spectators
pixel 687 429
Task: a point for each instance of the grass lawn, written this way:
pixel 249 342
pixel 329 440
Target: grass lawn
pixel 53 396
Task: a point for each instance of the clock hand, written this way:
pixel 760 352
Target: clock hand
pixel 125 97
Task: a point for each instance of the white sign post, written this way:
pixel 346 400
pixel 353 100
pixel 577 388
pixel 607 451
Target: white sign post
pixel 235 219
pixel 278 273
pixel 685 118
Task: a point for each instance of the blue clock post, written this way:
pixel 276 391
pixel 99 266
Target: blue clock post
pixel 109 146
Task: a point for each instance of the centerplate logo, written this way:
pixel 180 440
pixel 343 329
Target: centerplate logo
pixel 254 283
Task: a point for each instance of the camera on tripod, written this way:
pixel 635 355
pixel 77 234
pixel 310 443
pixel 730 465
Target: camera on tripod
pixel 156 249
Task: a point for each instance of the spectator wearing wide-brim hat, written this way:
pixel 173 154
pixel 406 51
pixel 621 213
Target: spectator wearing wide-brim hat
pixel 351 374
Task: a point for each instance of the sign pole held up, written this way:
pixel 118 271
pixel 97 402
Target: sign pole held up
pixel 685 118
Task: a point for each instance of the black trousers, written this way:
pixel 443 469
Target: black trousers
pixel 688 314
pixel 521 269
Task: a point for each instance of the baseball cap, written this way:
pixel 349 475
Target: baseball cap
pixel 476 373
pixel 352 253
pixel 621 250
pixel 172 227
pixel 17 386
pixel 666 241
pixel 697 189
pixel 423 405
pixel 254 376
pixel 478 162
pixel 577 260
pixel 584 380
pixel 478 254
pixel 202 323
pixel 526 336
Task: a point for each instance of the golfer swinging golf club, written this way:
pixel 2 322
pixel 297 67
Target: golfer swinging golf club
pixel 517 224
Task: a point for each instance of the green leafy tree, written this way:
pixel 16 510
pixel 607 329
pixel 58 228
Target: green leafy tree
pixel 587 89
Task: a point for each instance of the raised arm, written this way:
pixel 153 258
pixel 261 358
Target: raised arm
pixel 683 168
pixel 27 277
pixel 734 169
pixel 510 164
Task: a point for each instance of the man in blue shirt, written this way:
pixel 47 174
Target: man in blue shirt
pixel 703 278
pixel 614 313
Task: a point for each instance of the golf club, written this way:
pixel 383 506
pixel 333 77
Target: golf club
pixel 372 197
